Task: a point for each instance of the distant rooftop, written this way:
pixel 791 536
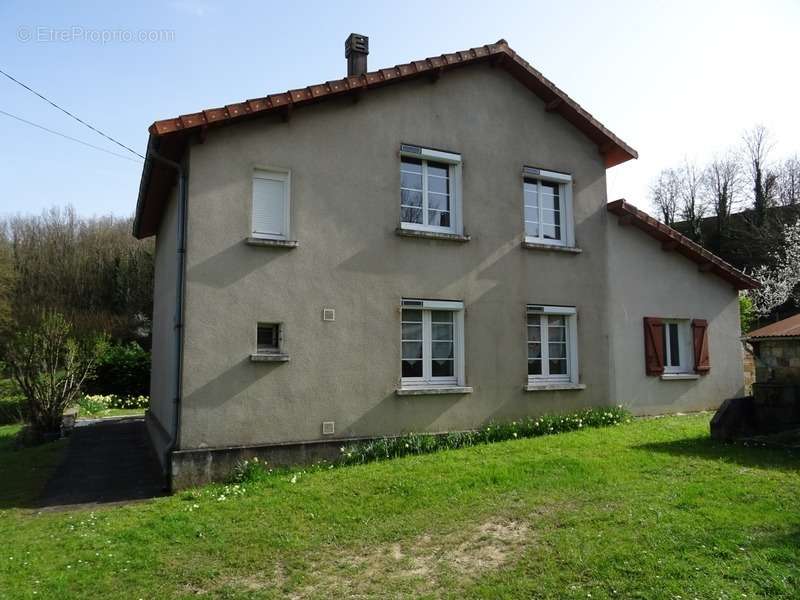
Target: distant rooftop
pixel 787 328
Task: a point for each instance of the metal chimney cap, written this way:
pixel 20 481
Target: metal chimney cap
pixel 356 43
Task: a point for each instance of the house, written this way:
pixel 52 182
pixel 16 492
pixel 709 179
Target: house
pixel 774 405
pixel 421 248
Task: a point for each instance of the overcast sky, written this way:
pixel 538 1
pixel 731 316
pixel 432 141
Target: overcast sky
pixel 673 79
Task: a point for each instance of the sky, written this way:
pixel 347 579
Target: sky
pixel 675 80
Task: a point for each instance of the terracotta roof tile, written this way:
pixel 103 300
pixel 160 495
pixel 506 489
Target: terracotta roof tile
pixel 381 76
pixel 786 328
pixel 678 242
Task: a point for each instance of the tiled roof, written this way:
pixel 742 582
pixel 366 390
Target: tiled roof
pixel 615 150
pixel 169 135
pixel 672 240
pixel 787 328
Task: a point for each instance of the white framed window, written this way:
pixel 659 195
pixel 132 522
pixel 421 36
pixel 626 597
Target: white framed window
pixel 677 346
pixel 547 200
pixel 552 344
pixel 270 204
pixel 432 340
pixel 430 190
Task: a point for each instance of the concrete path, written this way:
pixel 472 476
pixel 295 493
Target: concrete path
pixel 107 460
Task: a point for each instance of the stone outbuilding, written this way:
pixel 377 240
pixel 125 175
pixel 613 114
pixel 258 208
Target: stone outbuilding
pixel 774 406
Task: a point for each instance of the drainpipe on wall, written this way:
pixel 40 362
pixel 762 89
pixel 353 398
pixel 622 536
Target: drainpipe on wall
pixel 179 293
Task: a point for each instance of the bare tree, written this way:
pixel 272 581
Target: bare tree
pixel 692 203
pixel 757 147
pixel 789 181
pixel 722 181
pixel 665 195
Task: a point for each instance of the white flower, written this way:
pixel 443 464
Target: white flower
pixel 293 479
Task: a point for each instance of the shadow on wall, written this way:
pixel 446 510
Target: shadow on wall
pixel 229 266
pixel 390 415
pixel 231 382
pixel 703 447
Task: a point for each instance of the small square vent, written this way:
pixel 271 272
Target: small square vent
pixel 327 427
pixel 328 314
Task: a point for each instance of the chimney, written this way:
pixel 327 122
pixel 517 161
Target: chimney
pixel 356 48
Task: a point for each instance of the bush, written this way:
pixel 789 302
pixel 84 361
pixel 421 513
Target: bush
pixel 424 443
pixel 123 370
pixel 50 366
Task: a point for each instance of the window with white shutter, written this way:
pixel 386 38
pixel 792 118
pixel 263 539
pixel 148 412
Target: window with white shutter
pixel 271 205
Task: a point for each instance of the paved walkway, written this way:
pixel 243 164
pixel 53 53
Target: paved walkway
pixel 107 460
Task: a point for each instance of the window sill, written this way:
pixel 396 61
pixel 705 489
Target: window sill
pixel 432 235
pixel 552 247
pixel 553 387
pixel 433 390
pixel 269 357
pixel 255 241
pixel 679 376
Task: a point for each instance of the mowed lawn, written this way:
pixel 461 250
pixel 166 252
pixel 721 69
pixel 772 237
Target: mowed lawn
pixel 650 509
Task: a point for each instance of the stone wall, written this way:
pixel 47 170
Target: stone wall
pixel 778 361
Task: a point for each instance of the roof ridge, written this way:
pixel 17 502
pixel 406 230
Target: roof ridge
pixel 400 71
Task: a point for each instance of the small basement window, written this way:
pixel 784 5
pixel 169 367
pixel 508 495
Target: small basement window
pixel 268 338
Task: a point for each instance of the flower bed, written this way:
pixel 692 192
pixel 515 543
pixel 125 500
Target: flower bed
pixel 424 443
pixel 97 403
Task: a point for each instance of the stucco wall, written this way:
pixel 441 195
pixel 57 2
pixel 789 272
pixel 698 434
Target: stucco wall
pixel 646 281
pixel 344 210
pixel 162 375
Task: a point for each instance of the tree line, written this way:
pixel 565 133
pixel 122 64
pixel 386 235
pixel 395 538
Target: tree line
pixel 744 206
pixel 89 269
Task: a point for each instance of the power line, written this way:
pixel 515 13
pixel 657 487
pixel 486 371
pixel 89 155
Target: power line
pixel 65 111
pixel 43 128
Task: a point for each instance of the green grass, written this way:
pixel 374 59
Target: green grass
pixel 112 412
pixel 24 471
pixel 653 509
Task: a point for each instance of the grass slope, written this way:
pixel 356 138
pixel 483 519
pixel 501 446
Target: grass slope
pixel 653 509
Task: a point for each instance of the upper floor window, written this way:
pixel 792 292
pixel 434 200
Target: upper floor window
pixel 552 344
pixel 270 209
pixel 430 198
pixel 548 207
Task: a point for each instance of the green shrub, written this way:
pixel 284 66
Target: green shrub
pixel 123 371
pixel 424 443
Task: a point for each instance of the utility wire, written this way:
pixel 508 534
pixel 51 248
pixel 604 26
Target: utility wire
pixel 43 128
pixel 50 102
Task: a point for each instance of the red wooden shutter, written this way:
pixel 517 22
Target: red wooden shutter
pixel 653 345
pixel 702 359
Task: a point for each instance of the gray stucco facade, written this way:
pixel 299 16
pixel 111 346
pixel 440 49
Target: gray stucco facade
pixel 344 165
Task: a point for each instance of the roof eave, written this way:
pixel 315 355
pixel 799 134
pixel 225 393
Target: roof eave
pixel 680 243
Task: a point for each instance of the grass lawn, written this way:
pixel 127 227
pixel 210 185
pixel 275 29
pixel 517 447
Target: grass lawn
pixel 652 509
pixel 112 412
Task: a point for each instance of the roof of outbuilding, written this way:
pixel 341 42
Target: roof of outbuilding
pixel 789 327
pixel 170 134
pixel 672 240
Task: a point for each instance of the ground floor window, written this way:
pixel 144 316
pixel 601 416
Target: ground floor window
pixel 432 342
pixel 552 344
pixel 677 346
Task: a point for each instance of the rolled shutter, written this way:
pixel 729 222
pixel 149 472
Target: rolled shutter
pixel 269 204
pixel 702 359
pixel 653 346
